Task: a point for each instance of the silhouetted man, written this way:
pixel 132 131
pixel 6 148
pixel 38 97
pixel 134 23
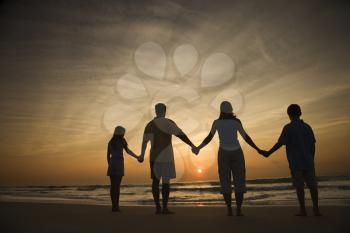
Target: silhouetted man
pixel 299 140
pixel 159 132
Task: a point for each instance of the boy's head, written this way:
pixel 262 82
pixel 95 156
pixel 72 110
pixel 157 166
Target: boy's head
pixel 294 111
pixel 119 131
pixel 160 109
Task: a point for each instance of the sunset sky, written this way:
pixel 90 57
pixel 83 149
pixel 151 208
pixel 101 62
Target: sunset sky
pixel 72 70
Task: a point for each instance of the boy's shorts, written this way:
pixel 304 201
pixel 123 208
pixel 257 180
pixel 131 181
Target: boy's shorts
pixel 300 177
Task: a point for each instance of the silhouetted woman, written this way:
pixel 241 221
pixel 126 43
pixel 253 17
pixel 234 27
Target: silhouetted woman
pixel 115 161
pixel 230 158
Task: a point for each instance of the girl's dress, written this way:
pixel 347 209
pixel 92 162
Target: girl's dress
pixel 116 162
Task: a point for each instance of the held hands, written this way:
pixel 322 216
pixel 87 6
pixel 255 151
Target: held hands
pixel 195 150
pixel 264 153
pixel 140 159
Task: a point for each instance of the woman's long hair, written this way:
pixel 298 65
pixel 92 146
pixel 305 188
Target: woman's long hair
pixel 230 115
pixel 224 115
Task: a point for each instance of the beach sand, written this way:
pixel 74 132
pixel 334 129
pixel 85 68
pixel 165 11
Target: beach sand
pixel 38 217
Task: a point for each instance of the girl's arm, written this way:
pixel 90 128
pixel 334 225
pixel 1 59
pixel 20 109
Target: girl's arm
pixel 130 152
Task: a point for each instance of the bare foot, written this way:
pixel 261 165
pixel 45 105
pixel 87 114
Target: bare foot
pixel 302 213
pixel 229 211
pixel 239 213
pixel 158 210
pixel 167 211
pixel 317 212
pixel 115 209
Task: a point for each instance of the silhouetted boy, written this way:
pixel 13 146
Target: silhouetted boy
pixel 299 140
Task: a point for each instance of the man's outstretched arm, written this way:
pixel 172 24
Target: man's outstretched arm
pixel 185 139
pixel 175 130
pixel 145 139
pixel 143 148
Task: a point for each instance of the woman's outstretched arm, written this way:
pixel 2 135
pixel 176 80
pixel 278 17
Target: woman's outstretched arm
pixel 209 137
pixel 247 138
pixel 250 142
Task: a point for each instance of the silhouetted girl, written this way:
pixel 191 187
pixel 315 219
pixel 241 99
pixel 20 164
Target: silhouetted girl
pixel 115 161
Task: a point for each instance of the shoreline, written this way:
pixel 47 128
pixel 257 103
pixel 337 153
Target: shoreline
pixel 264 180
pixel 192 205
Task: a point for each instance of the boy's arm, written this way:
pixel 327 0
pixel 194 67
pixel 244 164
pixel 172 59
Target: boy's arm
pixel 274 148
pixel 282 140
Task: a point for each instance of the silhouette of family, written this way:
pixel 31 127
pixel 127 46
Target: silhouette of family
pixel 297 136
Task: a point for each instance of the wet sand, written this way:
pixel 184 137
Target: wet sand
pixel 38 217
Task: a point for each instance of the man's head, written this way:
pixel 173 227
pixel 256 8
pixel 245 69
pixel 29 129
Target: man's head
pixel 160 109
pixel 294 111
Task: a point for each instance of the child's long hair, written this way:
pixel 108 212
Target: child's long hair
pixel 117 138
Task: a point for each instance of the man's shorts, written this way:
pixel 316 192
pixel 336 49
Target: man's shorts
pixel 163 170
pixel 231 165
pixel 300 177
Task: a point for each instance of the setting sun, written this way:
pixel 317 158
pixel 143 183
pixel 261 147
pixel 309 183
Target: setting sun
pixel 200 171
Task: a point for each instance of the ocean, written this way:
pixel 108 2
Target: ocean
pixel 332 191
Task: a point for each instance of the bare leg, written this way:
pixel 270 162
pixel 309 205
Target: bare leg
pixel 112 190
pixel 165 195
pixel 314 197
pixel 228 201
pixel 155 192
pixel 239 200
pixel 117 192
pixel 301 199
